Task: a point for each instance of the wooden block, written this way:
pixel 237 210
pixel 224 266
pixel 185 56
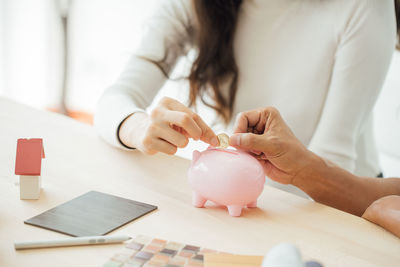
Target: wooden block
pixel 29 157
pixel 29 187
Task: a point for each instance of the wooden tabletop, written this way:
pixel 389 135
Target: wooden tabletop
pixel 77 161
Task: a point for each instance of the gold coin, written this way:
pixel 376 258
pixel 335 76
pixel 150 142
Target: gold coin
pixel 223 140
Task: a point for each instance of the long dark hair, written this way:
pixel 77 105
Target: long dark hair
pixel 215 62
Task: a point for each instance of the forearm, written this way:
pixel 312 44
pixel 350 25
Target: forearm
pixel 333 186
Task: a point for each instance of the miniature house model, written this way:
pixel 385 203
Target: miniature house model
pixel 28 166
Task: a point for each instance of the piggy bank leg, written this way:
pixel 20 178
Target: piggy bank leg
pixel 198 201
pixel 235 210
pixel 252 204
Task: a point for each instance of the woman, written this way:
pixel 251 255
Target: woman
pixel 321 63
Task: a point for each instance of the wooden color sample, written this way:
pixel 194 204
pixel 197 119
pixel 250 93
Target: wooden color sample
pixel 229 260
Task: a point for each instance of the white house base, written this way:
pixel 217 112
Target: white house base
pixel 29 187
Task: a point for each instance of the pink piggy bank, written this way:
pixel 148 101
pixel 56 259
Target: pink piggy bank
pixel 227 177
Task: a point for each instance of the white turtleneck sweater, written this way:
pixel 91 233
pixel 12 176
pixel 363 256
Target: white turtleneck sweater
pixel 321 63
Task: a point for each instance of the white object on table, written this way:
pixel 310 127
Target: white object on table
pixel 283 255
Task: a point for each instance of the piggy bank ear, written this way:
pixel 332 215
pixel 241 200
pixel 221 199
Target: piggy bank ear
pixel 196 156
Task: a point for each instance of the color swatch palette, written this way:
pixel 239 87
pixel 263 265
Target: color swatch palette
pixel 151 252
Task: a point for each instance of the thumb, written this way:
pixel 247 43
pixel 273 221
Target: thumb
pixel 249 141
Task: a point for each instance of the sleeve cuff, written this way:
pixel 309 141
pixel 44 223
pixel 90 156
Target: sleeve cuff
pixel 111 111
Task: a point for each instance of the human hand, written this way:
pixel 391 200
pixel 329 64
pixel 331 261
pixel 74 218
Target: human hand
pixel 264 133
pixel 169 126
pixel 386 213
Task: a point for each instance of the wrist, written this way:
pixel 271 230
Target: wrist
pixel 327 183
pixel 131 127
pixel 313 166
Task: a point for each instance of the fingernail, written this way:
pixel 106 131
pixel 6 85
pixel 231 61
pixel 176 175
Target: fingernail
pixel 234 140
pixel 214 141
pixel 255 152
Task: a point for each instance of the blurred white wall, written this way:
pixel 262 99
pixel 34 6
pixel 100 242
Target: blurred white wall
pixel 27 50
pixel 387 120
pixel 1 47
pixel 102 35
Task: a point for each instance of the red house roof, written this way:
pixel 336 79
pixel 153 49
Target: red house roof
pixel 29 157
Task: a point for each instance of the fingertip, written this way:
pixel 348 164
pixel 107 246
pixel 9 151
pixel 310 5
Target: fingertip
pixel 209 137
pixel 214 141
pixel 199 133
pixel 256 152
pixel 234 140
pixel 194 135
pixel 246 141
